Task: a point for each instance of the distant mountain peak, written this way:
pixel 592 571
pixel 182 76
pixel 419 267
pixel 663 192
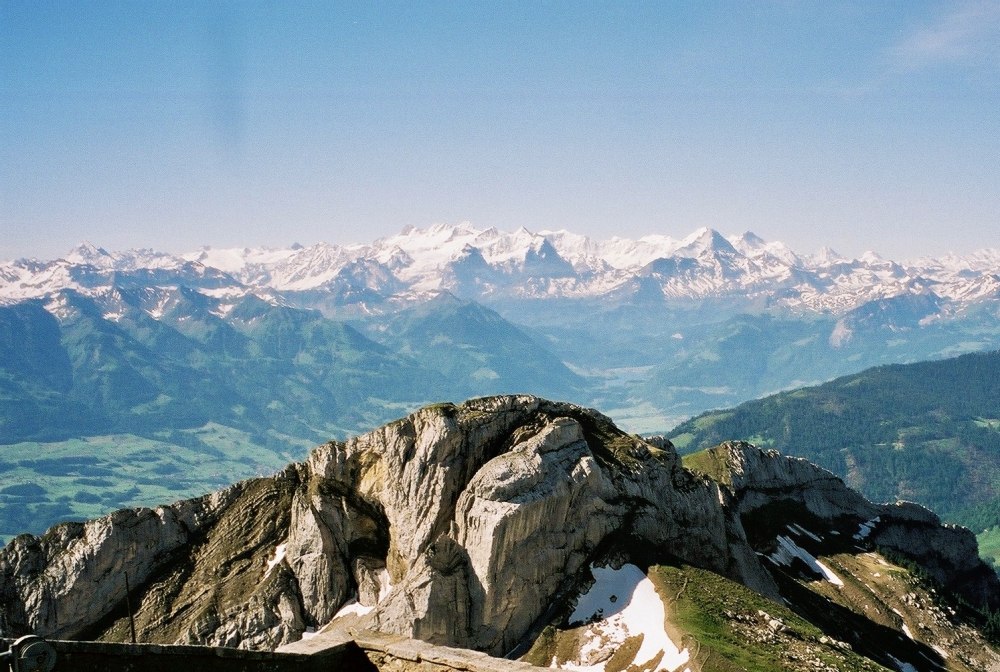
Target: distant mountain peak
pixel 492 264
pixel 704 240
pixel 751 239
pixel 86 252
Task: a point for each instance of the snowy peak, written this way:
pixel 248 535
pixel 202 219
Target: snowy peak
pixel 88 253
pixel 753 246
pixel 747 242
pixel 702 242
pixel 826 256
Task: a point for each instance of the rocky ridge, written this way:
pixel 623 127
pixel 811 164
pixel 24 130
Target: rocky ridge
pixel 470 526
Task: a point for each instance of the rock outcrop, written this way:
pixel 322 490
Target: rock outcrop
pixel 948 554
pixel 461 525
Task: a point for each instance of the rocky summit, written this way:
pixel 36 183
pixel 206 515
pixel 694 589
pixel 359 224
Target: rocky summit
pixel 527 528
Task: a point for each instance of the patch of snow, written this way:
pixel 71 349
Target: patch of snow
pixel 941 652
pixel 353 607
pixel 906 631
pixel 801 531
pixel 866 528
pixel 841 334
pixel 828 574
pixel 222 309
pixel 903 667
pixel 384 585
pixel 157 312
pixel 311 632
pixel 59 306
pixel 789 550
pixel 279 555
pixel 623 603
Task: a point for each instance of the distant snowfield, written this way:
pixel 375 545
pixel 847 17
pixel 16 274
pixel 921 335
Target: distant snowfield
pixel 523 264
pixel 625 604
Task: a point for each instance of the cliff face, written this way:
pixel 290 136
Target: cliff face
pixel 946 553
pixel 468 526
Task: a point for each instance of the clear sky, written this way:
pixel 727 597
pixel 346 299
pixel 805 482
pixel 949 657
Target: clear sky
pixel 860 125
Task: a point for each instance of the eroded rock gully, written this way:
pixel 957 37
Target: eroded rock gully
pixel 461 525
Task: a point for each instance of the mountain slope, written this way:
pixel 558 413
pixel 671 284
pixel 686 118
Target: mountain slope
pixel 204 382
pixel 423 528
pixel 142 375
pixel 927 432
pixel 477 351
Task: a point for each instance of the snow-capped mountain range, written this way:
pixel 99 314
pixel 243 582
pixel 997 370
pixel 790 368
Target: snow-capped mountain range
pixel 493 265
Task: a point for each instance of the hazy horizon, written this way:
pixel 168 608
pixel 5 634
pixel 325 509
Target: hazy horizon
pixel 858 126
pixel 678 237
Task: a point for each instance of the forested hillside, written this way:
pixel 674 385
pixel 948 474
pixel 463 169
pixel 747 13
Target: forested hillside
pixel 927 432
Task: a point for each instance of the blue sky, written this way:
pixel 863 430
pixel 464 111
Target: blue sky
pixel 860 125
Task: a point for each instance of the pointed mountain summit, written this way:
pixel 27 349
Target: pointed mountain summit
pixel 825 256
pixel 748 241
pixel 704 241
pixel 88 253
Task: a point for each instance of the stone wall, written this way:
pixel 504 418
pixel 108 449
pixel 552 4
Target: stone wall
pixel 112 657
pixel 354 651
pixel 395 653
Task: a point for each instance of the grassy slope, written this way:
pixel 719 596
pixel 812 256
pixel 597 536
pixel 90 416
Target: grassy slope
pixel 722 620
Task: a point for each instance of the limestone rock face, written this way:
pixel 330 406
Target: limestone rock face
pixel 947 553
pixel 61 583
pixel 461 525
pixel 528 518
pixel 758 477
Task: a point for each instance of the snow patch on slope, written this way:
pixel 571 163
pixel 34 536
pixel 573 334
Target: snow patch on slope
pixel 866 528
pixel 788 550
pixel 279 555
pixel 623 603
pixel 903 666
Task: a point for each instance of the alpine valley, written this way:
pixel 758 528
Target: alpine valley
pixel 136 378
